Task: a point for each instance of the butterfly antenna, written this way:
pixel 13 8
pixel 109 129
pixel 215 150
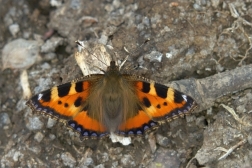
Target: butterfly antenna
pixel 131 53
pixel 123 62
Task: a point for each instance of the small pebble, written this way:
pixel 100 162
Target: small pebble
pixel 14 29
pixel 196 7
pixel 4 119
pixel 50 123
pixel 35 149
pixel 241 109
pixel 200 122
pixel 51 44
pixel 250 138
pixel 39 136
pixel 86 162
pixel 154 56
pixel 52 136
pixel 127 161
pixel 103 40
pixel 17 155
pixel 55 3
pixel 114 164
pixel 45 66
pixel 162 141
pixel 34 123
pixel 99 166
pixel 68 159
pixel 215 3
pixel 168 55
pixel 152 142
pixel 190 118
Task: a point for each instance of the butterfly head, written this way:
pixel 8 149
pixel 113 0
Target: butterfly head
pixel 113 68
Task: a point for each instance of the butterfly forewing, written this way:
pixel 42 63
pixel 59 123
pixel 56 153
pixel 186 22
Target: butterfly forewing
pixel 162 102
pixel 69 103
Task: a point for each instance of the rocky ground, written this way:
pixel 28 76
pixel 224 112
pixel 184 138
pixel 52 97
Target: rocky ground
pixel 207 43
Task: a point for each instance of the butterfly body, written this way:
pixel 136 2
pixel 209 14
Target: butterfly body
pixel 98 105
pixel 113 99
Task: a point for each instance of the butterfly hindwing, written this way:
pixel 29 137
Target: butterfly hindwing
pixel 137 125
pixel 87 126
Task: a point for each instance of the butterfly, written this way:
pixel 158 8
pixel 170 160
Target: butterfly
pixel 126 105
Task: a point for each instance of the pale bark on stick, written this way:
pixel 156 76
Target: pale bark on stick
pixel 205 91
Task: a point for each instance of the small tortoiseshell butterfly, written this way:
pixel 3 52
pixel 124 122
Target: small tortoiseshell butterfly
pixel 100 104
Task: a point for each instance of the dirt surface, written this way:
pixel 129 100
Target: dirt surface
pixel 188 40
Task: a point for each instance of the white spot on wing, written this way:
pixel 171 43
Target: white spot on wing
pixel 184 97
pixel 40 96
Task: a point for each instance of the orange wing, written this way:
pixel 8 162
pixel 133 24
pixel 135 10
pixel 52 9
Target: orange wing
pixel 67 103
pixel 158 103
